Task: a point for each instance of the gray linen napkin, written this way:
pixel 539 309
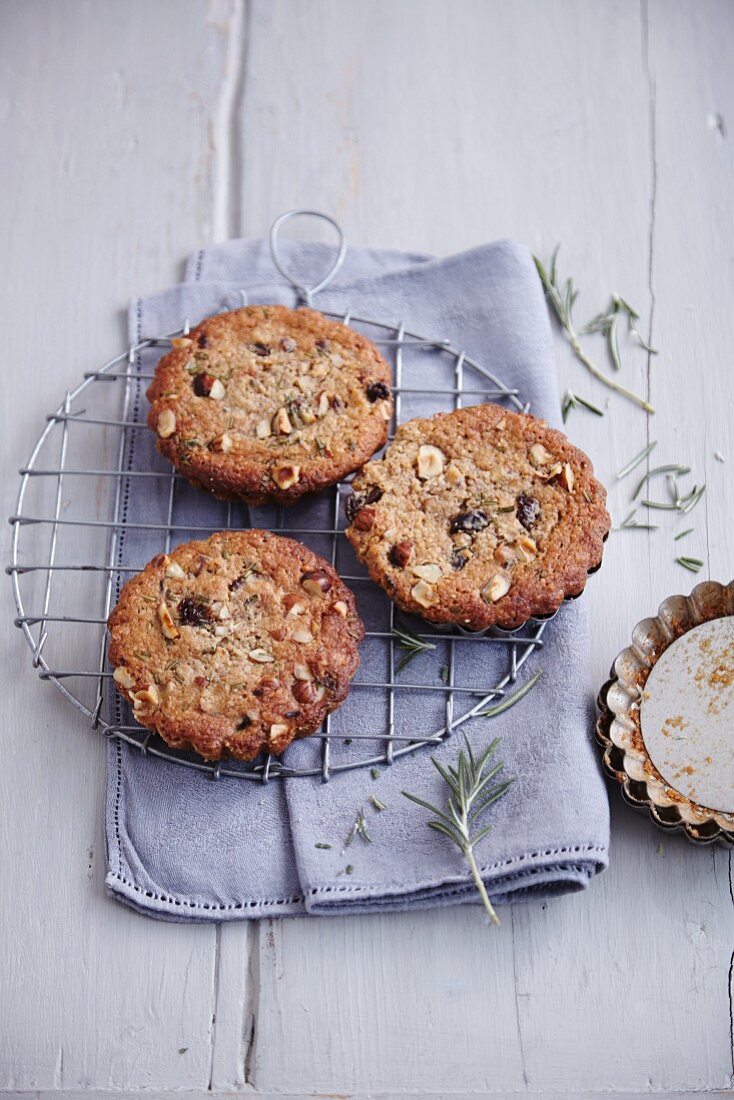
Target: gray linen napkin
pixel 182 847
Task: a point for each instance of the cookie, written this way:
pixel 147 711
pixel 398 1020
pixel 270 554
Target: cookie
pixel 267 403
pixel 235 645
pixel 479 517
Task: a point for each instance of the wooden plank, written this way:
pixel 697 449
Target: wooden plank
pixel 106 113
pixel 474 121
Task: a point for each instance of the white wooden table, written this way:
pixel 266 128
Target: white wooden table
pixel 133 131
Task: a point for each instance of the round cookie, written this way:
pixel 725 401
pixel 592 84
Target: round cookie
pixel 479 517
pixel 234 645
pixel 268 403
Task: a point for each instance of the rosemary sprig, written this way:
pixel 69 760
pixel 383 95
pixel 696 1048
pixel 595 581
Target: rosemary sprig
pixel 635 462
pixel 692 564
pixel 571 400
pixel 562 300
pixel 510 700
pixel 411 644
pixel 607 324
pixel 672 468
pixel 471 795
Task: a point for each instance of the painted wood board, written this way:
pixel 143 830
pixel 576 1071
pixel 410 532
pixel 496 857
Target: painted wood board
pixel 602 125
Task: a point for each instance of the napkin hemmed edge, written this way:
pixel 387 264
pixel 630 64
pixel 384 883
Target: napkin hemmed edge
pixel 547 878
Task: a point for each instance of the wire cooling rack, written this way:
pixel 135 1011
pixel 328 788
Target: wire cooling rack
pixel 67 566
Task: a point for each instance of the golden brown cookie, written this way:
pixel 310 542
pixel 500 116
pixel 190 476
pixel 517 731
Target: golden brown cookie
pixel 480 517
pixel 268 403
pixel 234 645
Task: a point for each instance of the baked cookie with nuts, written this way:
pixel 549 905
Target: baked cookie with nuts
pixel 479 517
pixel 235 645
pixel 267 403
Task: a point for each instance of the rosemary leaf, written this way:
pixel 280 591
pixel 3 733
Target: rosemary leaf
pixel 689 502
pixel 471 795
pixel 412 645
pixel 376 802
pixel 359 829
pixel 571 400
pixel 660 505
pixel 562 300
pixel 631 524
pixel 635 462
pixel 682 534
pixel 672 468
pixel 510 700
pixel 320 844
pixel 374 772
pixel 719 456
pixel 692 564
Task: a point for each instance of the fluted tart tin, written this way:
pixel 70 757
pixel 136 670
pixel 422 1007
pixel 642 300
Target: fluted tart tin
pixel 666 723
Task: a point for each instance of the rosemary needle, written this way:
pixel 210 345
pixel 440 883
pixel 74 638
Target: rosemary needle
pixel 693 564
pixel 635 462
pixel 682 534
pixel 510 700
pixel 377 803
pixel 571 400
pixel 631 524
pixel 412 645
pixel 673 468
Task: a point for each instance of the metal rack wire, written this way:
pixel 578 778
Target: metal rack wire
pixel 93 544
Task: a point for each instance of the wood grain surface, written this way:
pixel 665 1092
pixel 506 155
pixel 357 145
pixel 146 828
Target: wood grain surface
pixel 132 132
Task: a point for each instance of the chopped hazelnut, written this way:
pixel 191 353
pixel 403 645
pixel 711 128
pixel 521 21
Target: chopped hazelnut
pixel 401 553
pixel 422 593
pixel 261 656
pixel 306 692
pixel 262 431
pixel 122 677
pixel 431 461
pixel 566 477
pixel 316 582
pixel 496 588
pixel 169 628
pixel 285 477
pixel 365 519
pixel 540 455
pixel 166 424
pixel 282 422
pixel 147 699
pixel 222 444
pixel 430 572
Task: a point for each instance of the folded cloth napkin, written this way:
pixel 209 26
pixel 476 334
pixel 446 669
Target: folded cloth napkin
pixel 182 847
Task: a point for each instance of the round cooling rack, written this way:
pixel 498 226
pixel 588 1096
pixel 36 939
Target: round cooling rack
pixel 72 535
